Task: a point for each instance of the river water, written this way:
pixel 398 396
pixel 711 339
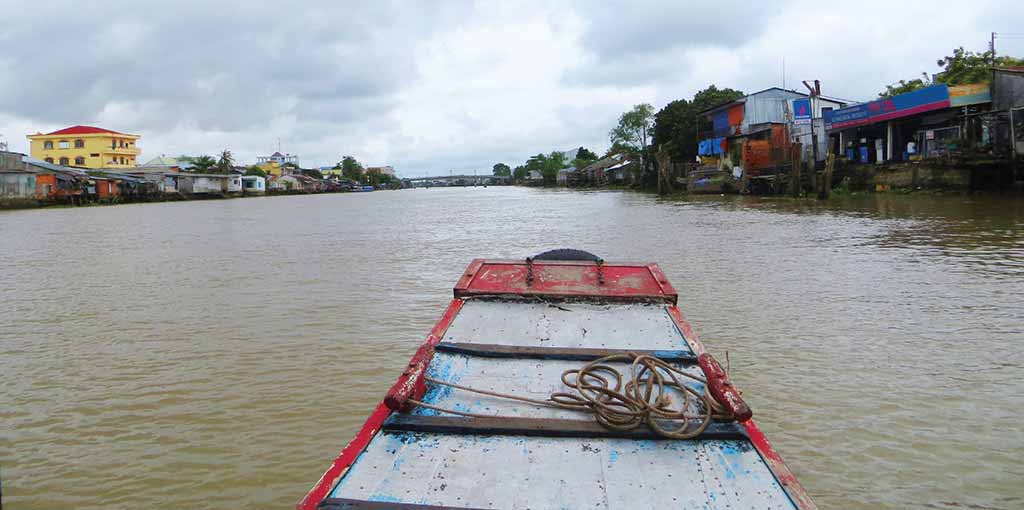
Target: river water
pixel 219 354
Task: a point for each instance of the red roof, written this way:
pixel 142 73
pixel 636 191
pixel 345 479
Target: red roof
pixel 82 130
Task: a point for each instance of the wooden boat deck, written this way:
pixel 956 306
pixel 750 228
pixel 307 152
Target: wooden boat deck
pixel 536 457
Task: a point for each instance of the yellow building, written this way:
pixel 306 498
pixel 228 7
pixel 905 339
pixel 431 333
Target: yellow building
pixel 86 147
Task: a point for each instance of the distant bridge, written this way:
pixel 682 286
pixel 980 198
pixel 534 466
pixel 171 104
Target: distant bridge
pixel 459 180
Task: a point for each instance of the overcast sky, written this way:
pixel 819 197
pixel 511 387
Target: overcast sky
pixel 430 87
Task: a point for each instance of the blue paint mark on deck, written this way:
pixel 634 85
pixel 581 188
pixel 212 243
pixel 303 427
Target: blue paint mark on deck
pixel 384 498
pixel 613 456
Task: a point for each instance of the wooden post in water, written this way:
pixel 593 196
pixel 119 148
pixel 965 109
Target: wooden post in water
pixel 664 160
pixel 826 184
pixel 795 165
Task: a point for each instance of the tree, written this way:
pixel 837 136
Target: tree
pixel 203 164
pixel 519 173
pixel 351 168
pixel 963 67
pixel 501 169
pixel 372 177
pixel 960 68
pixel 548 165
pixel 255 170
pixel 633 132
pixel 904 86
pixel 312 172
pixel 677 126
pixel 584 153
pixel 583 158
pixel 226 162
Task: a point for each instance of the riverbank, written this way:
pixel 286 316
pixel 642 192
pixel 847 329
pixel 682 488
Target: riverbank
pixel 92 201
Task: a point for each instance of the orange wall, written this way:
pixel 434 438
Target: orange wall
pixel 43 180
pixel 105 189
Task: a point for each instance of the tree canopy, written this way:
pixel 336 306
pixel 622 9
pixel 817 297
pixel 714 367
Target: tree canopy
pixel 960 68
pixel 583 158
pixel 203 164
pixel 351 168
pixel 255 170
pixel 225 163
pixel 501 169
pixel 677 127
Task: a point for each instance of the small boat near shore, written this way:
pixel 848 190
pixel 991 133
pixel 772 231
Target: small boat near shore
pixel 553 384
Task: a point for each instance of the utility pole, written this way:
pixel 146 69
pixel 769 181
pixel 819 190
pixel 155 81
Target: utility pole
pixel 992 46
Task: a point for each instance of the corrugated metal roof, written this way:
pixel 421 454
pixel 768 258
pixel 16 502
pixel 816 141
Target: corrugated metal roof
pixel 50 166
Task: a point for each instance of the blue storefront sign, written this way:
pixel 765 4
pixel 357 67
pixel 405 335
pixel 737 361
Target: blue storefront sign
pixel 922 100
pixel 801 111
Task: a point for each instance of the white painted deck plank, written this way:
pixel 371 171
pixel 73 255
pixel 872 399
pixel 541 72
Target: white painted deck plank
pixel 531 378
pixel 555 473
pixel 596 326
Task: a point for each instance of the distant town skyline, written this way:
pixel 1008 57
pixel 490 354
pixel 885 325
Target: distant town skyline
pixel 447 87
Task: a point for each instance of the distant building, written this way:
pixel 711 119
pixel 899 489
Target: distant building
pixel 386 170
pixel 254 184
pixel 274 164
pixel 86 147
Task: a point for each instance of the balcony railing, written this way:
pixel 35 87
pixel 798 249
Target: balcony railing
pixel 123 150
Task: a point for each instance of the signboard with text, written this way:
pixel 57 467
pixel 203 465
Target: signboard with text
pixel 922 100
pixel 801 111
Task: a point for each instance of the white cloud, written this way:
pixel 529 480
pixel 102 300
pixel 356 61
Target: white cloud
pixel 432 87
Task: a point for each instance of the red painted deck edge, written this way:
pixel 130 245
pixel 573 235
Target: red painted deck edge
pixel 783 475
pixel 666 292
pixel 354 448
pixel 772 459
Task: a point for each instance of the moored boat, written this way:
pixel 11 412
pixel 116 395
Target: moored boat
pixel 560 384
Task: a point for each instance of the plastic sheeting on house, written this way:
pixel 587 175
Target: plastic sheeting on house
pixel 720 121
pixel 710 146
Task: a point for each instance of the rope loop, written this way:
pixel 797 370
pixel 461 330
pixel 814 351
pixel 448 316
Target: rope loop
pixel 649 395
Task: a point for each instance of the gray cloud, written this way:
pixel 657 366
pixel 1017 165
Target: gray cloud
pixel 430 86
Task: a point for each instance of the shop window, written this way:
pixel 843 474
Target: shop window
pixel 80 160
pixel 47 144
pixel 79 144
pixel 64 161
pixel 49 160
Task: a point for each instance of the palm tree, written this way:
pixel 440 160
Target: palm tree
pixel 203 164
pixel 225 163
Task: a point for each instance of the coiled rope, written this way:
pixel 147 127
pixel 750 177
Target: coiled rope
pixel 644 398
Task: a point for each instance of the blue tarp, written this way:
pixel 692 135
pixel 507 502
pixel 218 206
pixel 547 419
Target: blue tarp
pixel 720 121
pixel 710 147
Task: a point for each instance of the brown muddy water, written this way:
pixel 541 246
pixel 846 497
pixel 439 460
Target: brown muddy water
pixel 219 354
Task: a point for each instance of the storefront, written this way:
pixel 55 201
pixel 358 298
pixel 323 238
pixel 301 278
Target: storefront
pixel 928 122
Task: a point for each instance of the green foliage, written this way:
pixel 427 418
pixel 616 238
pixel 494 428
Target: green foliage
pixel 313 172
pixel 960 68
pixel 501 169
pixel 351 168
pixel 678 127
pixel 583 158
pixel 225 163
pixel 376 178
pixel 584 153
pixel 634 129
pixel 255 170
pixel 963 67
pixel 519 173
pixel 290 165
pixel 203 164
pixel 904 86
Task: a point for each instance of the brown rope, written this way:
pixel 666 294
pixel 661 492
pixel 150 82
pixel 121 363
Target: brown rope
pixel 599 390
